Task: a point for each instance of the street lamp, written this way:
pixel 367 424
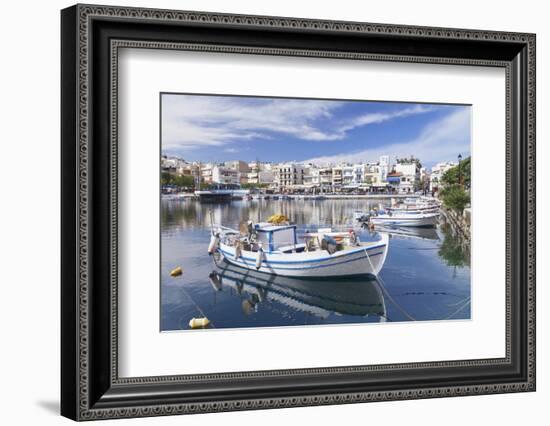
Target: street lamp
pixel 459 171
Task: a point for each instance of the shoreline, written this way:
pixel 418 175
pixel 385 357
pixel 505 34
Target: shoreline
pixel 318 197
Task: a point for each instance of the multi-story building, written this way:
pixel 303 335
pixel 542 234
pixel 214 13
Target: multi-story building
pixel 311 176
pixel 410 179
pixel 384 163
pixel 259 173
pixel 188 169
pixel 371 174
pixel 171 164
pixel 206 172
pixel 337 178
pixel 394 179
pixel 239 166
pixel 348 175
pixel 225 175
pixel 288 175
pixel 261 177
pixel 437 173
pixel 325 179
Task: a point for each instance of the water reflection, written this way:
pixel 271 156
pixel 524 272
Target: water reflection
pixel 454 250
pixel 190 214
pixel 321 298
pixel 426 275
pixel 420 233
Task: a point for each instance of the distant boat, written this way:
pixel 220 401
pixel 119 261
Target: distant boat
pixel 410 209
pixel 221 192
pixel 275 249
pixel 404 219
pixel 349 296
pixel 416 206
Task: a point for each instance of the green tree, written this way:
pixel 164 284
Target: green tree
pixel 451 176
pixel 166 178
pixel 411 160
pixel 455 197
pixel 254 185
pixel 184 181
pixel 177 180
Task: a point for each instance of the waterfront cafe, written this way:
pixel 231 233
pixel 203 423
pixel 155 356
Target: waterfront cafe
pixel 381 187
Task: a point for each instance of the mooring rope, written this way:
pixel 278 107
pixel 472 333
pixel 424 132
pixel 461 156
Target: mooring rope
pixel 459 309
pixel 383 288
pixel 196 306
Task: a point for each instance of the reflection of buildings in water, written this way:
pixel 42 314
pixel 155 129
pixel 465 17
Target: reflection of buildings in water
pixel 189 214
pixel 345 296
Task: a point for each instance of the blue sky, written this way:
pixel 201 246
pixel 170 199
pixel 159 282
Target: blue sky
pixel 212 128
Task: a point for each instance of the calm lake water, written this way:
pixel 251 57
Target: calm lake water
pixel 426 275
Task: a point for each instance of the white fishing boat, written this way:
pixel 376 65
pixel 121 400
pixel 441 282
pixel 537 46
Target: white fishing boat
pixel 422 202
pixel 413 209
pixel 404 219
pixel 276 249
pixel 415 206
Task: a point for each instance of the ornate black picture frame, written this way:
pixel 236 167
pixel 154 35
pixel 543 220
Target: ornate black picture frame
pixel 91 37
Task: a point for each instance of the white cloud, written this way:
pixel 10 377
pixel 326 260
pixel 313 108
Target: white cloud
pixel 193 121
pixel 440 140
pixel 379 117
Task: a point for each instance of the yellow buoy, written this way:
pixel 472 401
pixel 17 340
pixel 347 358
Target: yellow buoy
pixel 199 322
pixel 176 272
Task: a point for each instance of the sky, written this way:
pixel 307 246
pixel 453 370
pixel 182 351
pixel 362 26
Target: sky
pixel 212 128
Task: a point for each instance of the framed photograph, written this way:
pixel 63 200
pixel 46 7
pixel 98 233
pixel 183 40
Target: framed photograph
pixel 263 212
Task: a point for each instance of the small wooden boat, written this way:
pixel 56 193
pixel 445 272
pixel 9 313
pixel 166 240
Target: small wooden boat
pixel 405 219
pixel 276 249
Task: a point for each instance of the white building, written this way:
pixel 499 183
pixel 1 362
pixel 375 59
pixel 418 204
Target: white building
pixel 261 177
pixel 325 179
pixel 384 164
pixel 172 163
pixel 311 176
pixel 337 178
pixel 348 175
pixel 260 173
pixel 410 176
pixel 289 174
pixel 438 171
pixel 371 174
pixel 225 175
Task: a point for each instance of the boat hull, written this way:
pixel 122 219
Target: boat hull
pixel 363 260
pixel 404 220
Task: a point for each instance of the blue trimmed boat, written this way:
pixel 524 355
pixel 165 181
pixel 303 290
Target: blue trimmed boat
pixel 405 219
pixel 277 250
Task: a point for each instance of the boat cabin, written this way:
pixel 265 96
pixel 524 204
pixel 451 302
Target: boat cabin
pixel 277 237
